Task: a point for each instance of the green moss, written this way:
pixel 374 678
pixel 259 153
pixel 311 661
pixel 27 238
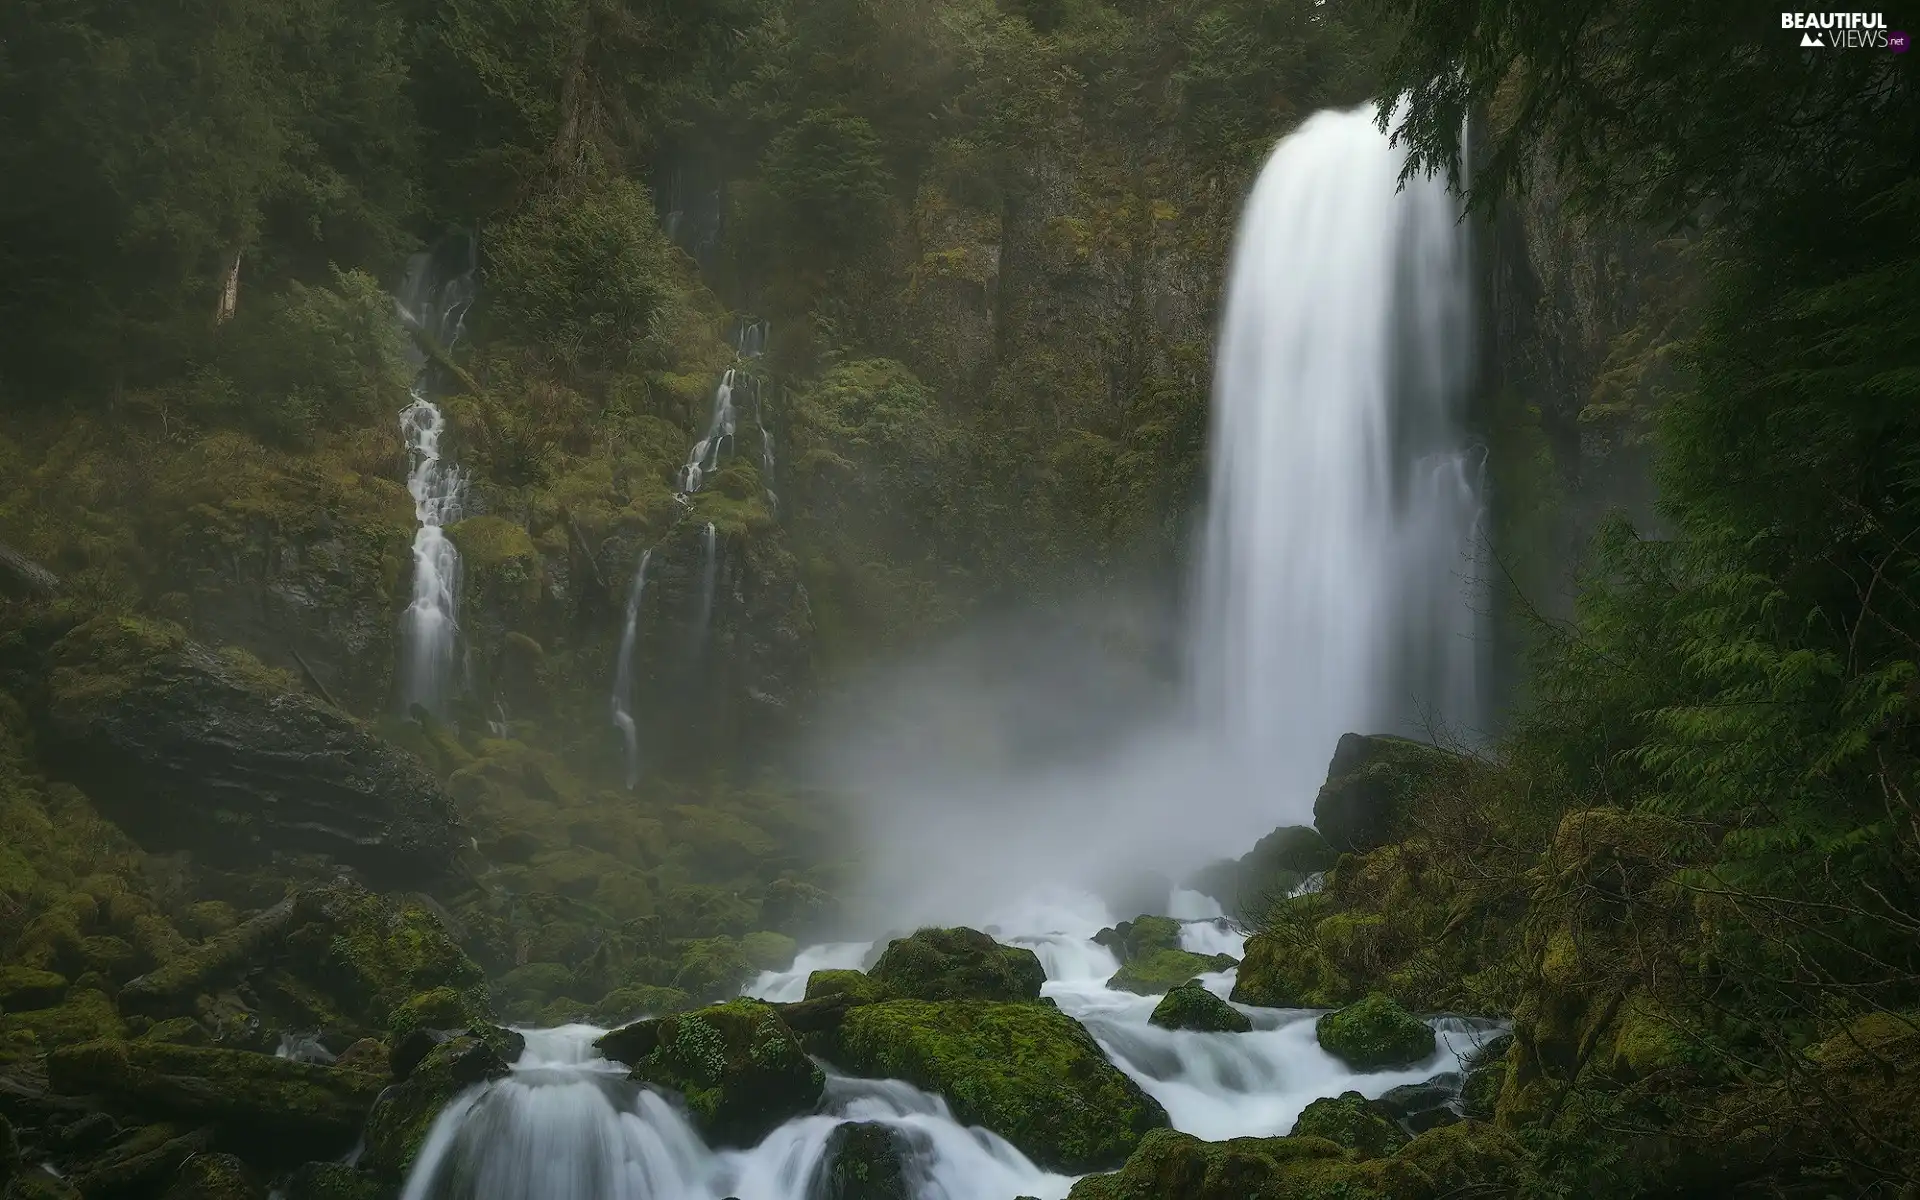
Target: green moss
pixel 768 951
pixel 623 1005
pixel 1140 937
pixel 1026 1071
pixel 845 983
pixel 490 543
pixel 84 1016
pixel 212 1177
pixel 333 1181
pixel 958 964
pixel 740 1069
pixel 441 1008
pixel 1350 1121
pixel 1163 970
pixel 404 1113
pixel 1375 1034
pixel 711 968
pixel 27 987
pixel 1192 1006
pixel 533 985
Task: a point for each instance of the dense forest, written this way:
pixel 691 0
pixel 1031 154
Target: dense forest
pixel 805 336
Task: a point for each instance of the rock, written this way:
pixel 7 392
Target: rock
pixel 180 1031
pixel 740 1068
pixel 958 964
pixel 1376 1035
pixel 1028 1072
pixel 404 1113
pixel 142 1162
pixel 218 960
pixel 1163 970
pixel 1352 1121
pixel 333 1181
pixel 213 1177
pixel 1276 865
pixel 38 1185
pixel 1486 1076
pixel 1372 782
pixel 1462 1160
pixel 25 987
pixel 856 984
pixel 625 1005
pixel 1140 937
pixel 302 1109
pixel 86 1015
pixel 1411 1099
pixel 712 968
pixel 767 951
pixel 189 749
pixel 1192 1006
pixel 795 908
pixel 410 1051
pixel 9 1150
pixel 863 1160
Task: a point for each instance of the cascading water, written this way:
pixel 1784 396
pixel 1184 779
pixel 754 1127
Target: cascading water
pixel 623 670
pixel 709 569
pixel 432 303
pixel 704 458
pixel 1338 590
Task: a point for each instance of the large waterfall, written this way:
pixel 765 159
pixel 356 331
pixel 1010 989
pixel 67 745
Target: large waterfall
pixel 1340 582
pixel 433 303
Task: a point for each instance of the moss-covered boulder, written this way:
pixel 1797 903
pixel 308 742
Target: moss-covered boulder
pixel 1486 1071
pixel 1191 1006
pixel 1276 865
pixel 192 749
pixel 213 1177
pixel 1376 1035
pixel 628 1004
pixel 305 1110
pixel 333 1181
pixel 1140 937
pixel 958 964
pixel 1461 1160
pixel 86 1015
pixel 863 1160
pixel 1373 784
pixel 712 968
pixel 1163 970
pixel 857 984
pixel 398 1125
pixel 1279 969
pixel 739 1067
pixel 27 987
pixel 1352 1121
pixel 1028 1072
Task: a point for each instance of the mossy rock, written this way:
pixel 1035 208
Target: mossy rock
pixel 1161 971
pixel 741 1071
pixel 375 954
pixel 1028 1072
pixel 333 1181
pixel 533 985
pixel 1278 972
pixel 958 964
pixel 627 1004
pixel 404 1114
pixel 26 987
pixel 1486 1077
pixel 1192 1007
pixel 1372 785
pixel 863 1160
pixel 86 1015
pixel 439 1008
pixel 1278 863
pixel 857 984
pixel 213 1177
pixel 302 1107
pixel 9 1149
pixel 1376 1035
pixel 178 1031
pixel 1140 937
pixel 1351 1121
pixel 712 968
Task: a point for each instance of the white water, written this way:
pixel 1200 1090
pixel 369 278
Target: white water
pixel 567 1125
pixel 709 565
pixel 704 458
pixel 432 301
pixel 623 671
pixel 1340 586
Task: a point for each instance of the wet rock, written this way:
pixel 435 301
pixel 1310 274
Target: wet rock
pixel 142 1162
pixel 1026 1071
pixel 302 1108
pixel 1352 1121
pixel 739 1067
pixel 1486 1076
pixel 1140 937
pixel 25 987
pixel 404 1113
pixel 192 749
pixel 1410 1099
pixel 1371 785
pixel 958 964
pixel 213 1177
pixel 1191 1006
pixel 863 1160
pixel 1163 970
pixel 1276 865
pixel 1376 1035
pixel 38 1185
pixel 333 1181
pixel 856 984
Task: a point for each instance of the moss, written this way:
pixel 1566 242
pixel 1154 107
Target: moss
pixel 1140 937
pixel 1275 866
pixel 533 984
pixel 1376 1034
pixel 210 918
pixel 845 983
pixel 84 1016
pixel 377 954
pixel 305 1107
pixel 1028 1072
pixel 440 1008
pixel 1192 1006
pixel 333 1181
pixel 863 1160
pixel 28 987
pixel 1162 970
pixel 1349 1120
pixel 1374 782
pixel 213 1177
pixel 958 964
pixel 711 968
pixel 740 1069
pixel 627 1004
pixel 489 543
pixel 403 1115
pixel 768 951
pixel 180 1031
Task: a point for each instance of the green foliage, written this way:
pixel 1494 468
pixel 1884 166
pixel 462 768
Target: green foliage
pixel 826 174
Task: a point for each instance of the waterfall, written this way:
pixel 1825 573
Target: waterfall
pixel 1339 586
pixel 432 303
pixel 623 671
pixel 710 561
pixel 704 458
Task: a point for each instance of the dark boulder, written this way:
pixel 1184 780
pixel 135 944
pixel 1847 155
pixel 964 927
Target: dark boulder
pixel 864 1160
pixel 398 1125
pixel 739 1067
pixel 1277 864
pixel 1372 785
pixel 1376 1035
pixel 1352 1121
pixel 1191 1006
pixel 958 964
pixel 187 748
